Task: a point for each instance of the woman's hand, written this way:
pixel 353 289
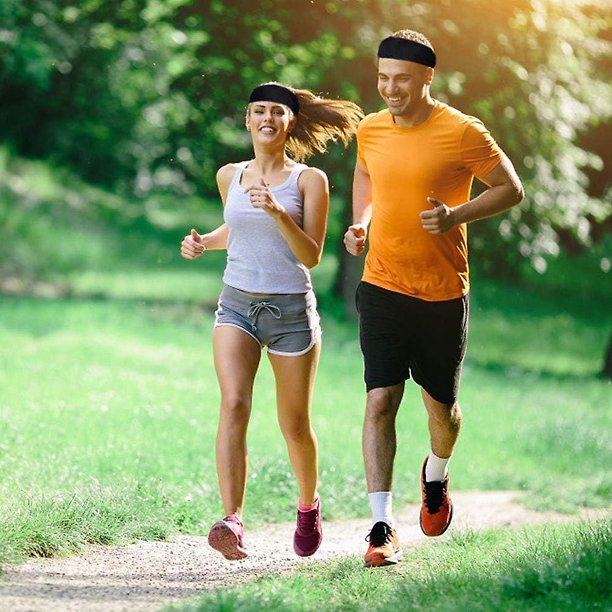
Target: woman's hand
pixel 261 197
pixel 192 245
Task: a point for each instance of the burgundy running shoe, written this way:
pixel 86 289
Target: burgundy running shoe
pixel 308 533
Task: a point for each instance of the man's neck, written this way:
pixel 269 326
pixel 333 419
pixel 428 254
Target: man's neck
pixel 417 115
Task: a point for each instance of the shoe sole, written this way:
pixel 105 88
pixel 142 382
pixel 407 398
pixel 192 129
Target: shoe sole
pixel 380 561
pixel 435 535
pixel 224 540
pixel 306 553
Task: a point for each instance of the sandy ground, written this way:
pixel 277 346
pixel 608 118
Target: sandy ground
pixel 149 575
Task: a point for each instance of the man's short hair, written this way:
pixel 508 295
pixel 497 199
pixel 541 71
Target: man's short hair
pixel 413 35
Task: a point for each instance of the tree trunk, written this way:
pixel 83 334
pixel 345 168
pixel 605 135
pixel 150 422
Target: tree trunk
pixel 350 269
pixel 349 273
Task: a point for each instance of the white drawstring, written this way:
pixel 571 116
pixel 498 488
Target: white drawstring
pixel 257 307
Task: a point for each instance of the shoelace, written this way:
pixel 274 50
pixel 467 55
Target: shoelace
pixel 307 521
pixel 257 307
pixel 435 492
pixel 379 535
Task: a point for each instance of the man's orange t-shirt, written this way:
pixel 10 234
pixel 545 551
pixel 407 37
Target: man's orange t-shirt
pixel 438 158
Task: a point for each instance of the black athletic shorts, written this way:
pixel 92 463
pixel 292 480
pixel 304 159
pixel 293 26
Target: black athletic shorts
pixel 403 336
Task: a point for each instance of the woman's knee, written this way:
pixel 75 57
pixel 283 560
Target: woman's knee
pixel 235 409
pixel 297 430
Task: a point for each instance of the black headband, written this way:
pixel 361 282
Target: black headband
pixel 404 49
pixel 275 93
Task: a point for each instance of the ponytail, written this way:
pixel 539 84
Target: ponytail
pixel 319 121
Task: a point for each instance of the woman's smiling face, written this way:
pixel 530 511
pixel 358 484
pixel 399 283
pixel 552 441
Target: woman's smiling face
pixel 269 121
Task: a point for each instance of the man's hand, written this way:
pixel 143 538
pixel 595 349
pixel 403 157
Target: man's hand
pixel 439 219
pixel 192 245
pixel 354 239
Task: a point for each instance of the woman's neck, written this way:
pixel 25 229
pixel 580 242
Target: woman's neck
pixel 270 163
pixel 272 168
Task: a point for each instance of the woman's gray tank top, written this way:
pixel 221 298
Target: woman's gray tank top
pixel 259 259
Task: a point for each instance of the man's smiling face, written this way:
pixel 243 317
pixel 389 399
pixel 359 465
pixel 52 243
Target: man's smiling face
pixel 403 85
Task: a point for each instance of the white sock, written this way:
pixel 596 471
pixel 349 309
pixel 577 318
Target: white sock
pixel 436 468
pixel 381 504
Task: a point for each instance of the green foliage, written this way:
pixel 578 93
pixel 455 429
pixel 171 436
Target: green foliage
pixel 149 96
pixel 60 230
pixel 544 86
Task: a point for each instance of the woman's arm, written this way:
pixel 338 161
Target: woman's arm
pixel 194 244
pixel 306 243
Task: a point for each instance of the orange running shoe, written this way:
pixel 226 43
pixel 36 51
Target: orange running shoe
pixel 436 507
pixel 226 536
pixel 384 548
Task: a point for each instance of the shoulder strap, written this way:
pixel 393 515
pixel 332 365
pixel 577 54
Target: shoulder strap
pixel 238 174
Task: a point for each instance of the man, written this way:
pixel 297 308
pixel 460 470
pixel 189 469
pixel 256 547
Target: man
pixel 416 163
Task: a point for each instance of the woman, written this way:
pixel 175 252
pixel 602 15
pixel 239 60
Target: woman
pixel 275 213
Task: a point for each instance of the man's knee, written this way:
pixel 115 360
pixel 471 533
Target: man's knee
pixel 383 402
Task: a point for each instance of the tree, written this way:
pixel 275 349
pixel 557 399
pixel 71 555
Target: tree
pixel 146 96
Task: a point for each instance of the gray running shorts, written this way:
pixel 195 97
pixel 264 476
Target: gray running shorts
pixel 285 323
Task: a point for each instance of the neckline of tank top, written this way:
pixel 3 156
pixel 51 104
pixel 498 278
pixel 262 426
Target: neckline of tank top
pixel 276 187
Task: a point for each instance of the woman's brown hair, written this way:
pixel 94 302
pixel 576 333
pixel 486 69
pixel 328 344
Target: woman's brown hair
pixel 319 121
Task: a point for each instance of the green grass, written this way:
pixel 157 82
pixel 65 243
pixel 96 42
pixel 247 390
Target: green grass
pixel 539 568
pixel 108 416
pixel 518 329
pixel 108 411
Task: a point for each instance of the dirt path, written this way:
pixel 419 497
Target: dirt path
pixel 147 575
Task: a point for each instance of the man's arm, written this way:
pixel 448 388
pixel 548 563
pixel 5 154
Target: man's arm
pixel 504 190
pixel 355 236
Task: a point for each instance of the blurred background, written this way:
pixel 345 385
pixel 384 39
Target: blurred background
pixel 114 117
